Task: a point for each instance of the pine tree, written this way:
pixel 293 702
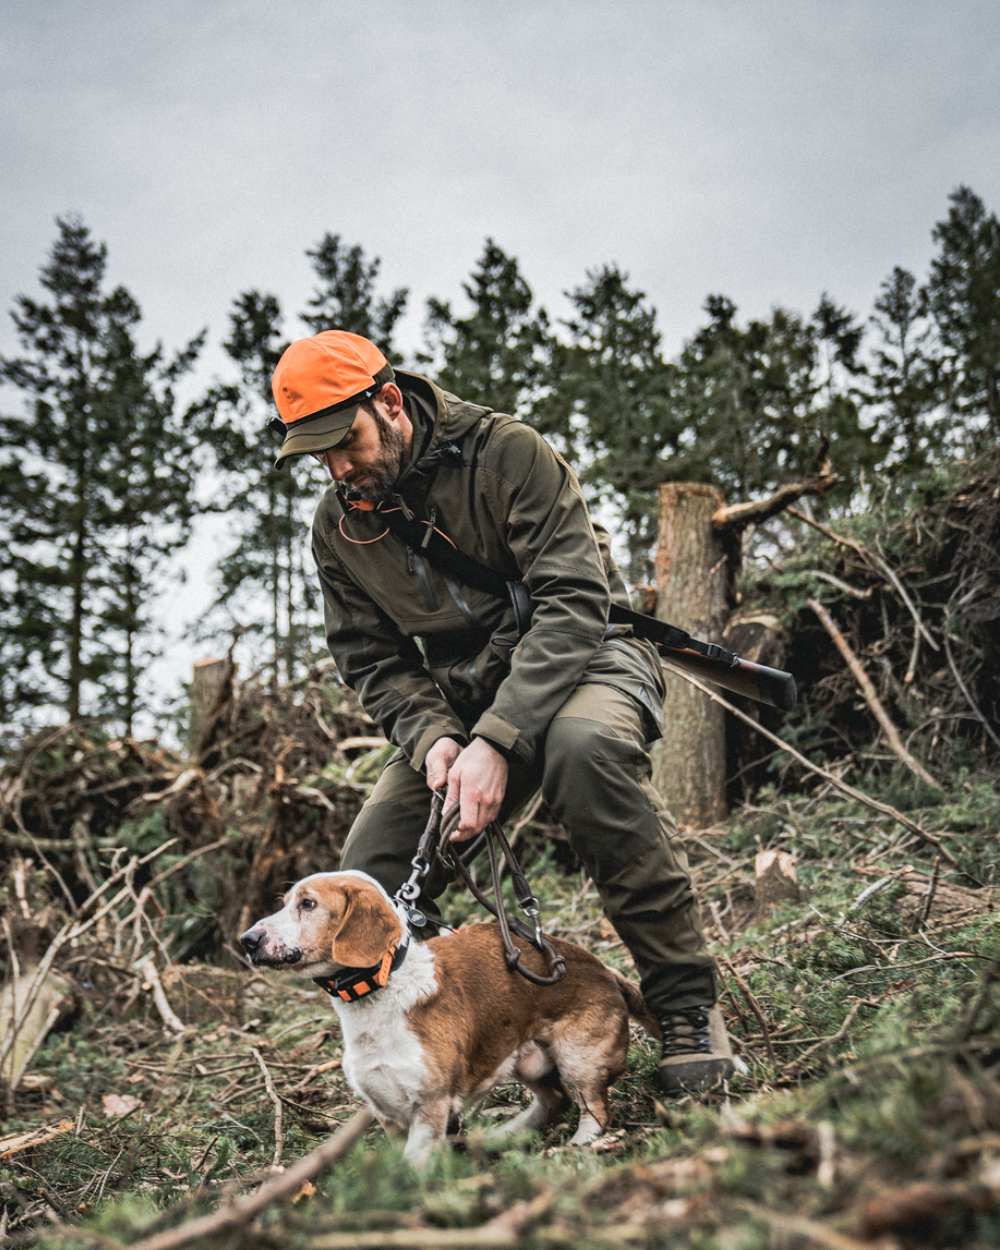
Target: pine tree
pixel 964 297
pixel 97 484
pixel 762 403
pixel 499 353
pixel 267 509
pixel 612 402
pixel 345 296
pixel 903 384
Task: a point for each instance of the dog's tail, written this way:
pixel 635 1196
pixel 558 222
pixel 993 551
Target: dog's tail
pixel 636 1004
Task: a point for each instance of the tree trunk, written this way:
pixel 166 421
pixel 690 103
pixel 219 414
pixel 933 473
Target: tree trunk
pixel 208 682
pixel 692 581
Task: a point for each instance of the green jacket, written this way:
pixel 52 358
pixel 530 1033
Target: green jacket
pixel 431 657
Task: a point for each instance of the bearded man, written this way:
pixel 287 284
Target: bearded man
pixel 478 698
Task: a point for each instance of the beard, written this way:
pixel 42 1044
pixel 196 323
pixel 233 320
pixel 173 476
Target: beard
pixel 376 481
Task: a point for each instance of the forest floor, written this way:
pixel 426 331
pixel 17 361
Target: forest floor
pixel 866 1012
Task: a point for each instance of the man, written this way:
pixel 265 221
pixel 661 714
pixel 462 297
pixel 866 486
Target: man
pixel 472 702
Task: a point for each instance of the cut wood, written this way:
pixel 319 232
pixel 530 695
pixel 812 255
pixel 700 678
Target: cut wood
pixel 31 1004
pixel 14 1143
pixel 692 579
pixel 775 880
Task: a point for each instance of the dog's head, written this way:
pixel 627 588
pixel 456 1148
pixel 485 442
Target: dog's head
pixel 328 919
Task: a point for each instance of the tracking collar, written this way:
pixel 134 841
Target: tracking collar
pixel 355 983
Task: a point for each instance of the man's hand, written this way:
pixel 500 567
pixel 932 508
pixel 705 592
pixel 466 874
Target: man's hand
pixel 438 762
pixel 477 782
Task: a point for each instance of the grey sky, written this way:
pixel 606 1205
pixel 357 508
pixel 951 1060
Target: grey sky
pixel 765 150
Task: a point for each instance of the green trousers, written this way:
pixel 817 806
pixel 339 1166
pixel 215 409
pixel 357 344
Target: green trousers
pixel 595 777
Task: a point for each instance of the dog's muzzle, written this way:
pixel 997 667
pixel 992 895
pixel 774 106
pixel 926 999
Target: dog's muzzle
pixel 254 943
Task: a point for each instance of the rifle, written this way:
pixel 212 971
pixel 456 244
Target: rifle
pixel 772 686
pixel 723 668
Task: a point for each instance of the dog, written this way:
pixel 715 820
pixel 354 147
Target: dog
pixel 429 1025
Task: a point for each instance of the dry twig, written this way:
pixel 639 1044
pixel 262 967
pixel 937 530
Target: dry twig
pixel 279 1111
pixel 240 1211
pixel 859 795
pixel 871 697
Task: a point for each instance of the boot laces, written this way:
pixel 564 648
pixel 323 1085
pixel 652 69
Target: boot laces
pixel 685 1032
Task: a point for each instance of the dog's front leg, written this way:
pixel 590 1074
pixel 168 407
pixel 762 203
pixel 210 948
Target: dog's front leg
pixel 427 1130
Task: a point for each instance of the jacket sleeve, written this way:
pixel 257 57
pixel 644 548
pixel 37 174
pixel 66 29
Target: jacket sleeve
pixel 381 663
pixel 539 509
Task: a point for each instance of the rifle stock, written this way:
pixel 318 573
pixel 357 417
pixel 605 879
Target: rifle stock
pixel 772 686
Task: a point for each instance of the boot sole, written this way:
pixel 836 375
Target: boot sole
pixel 693 1075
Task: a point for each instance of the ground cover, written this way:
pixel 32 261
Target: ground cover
pixel 866 1013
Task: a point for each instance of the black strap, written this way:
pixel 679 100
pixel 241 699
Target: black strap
pixel 423 538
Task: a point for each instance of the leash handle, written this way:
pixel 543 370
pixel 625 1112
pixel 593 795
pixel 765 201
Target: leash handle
pixel 526 899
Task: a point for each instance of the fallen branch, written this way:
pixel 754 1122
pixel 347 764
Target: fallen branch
pixel 871 697
pixel 240 1211
pixel 801 1226
pixel 14 1143
pixel 754 1006
pixel 166 1013
pixel 738 515
pixel 877 564
pixel 279 1111
pixel 875 804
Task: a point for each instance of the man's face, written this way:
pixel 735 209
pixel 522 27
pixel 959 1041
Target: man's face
pixel 370 459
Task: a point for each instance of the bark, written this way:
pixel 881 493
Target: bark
pixel 692 578
pixel 208 682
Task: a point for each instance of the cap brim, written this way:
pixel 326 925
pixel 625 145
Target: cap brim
pixel 322 434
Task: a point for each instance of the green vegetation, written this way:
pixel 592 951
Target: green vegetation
pixel 864 1017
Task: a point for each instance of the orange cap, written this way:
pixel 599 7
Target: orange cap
pixel 318 385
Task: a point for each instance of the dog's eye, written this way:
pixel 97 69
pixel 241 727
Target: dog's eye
pixel 306 904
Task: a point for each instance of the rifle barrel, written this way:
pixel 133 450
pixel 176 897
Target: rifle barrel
pixel 772 686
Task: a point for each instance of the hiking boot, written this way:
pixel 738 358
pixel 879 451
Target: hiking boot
pixel 696 1051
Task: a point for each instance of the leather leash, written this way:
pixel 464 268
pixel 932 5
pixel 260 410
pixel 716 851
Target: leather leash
pixel 433 842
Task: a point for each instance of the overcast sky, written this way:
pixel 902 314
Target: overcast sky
pixel 766 150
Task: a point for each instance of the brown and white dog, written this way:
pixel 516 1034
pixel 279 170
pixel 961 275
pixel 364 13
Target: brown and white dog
pixel 427 1025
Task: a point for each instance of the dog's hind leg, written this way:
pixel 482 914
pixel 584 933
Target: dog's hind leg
pixel 589 1061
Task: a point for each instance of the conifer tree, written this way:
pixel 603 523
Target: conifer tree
pixel 97 484
pixel 345 296
pixel 612 402
pixel 266 509
pixel 499 353
pixel 903 387
pixel 964 297
pixel 761 403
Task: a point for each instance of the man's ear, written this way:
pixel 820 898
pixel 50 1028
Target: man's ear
pixel 368 928
pixel 392 397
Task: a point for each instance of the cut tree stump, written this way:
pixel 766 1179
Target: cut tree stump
pixel 209 678
pixel 775 880
pixel 692 580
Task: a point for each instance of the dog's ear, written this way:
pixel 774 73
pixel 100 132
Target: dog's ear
pixel 367 928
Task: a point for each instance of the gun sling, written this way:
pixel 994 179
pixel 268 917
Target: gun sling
pixel 708 659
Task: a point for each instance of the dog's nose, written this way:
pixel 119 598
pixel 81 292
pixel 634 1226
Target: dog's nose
pixel 251 939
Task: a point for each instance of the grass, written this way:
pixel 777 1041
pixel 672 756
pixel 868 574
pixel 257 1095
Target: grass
pixel 868 1073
